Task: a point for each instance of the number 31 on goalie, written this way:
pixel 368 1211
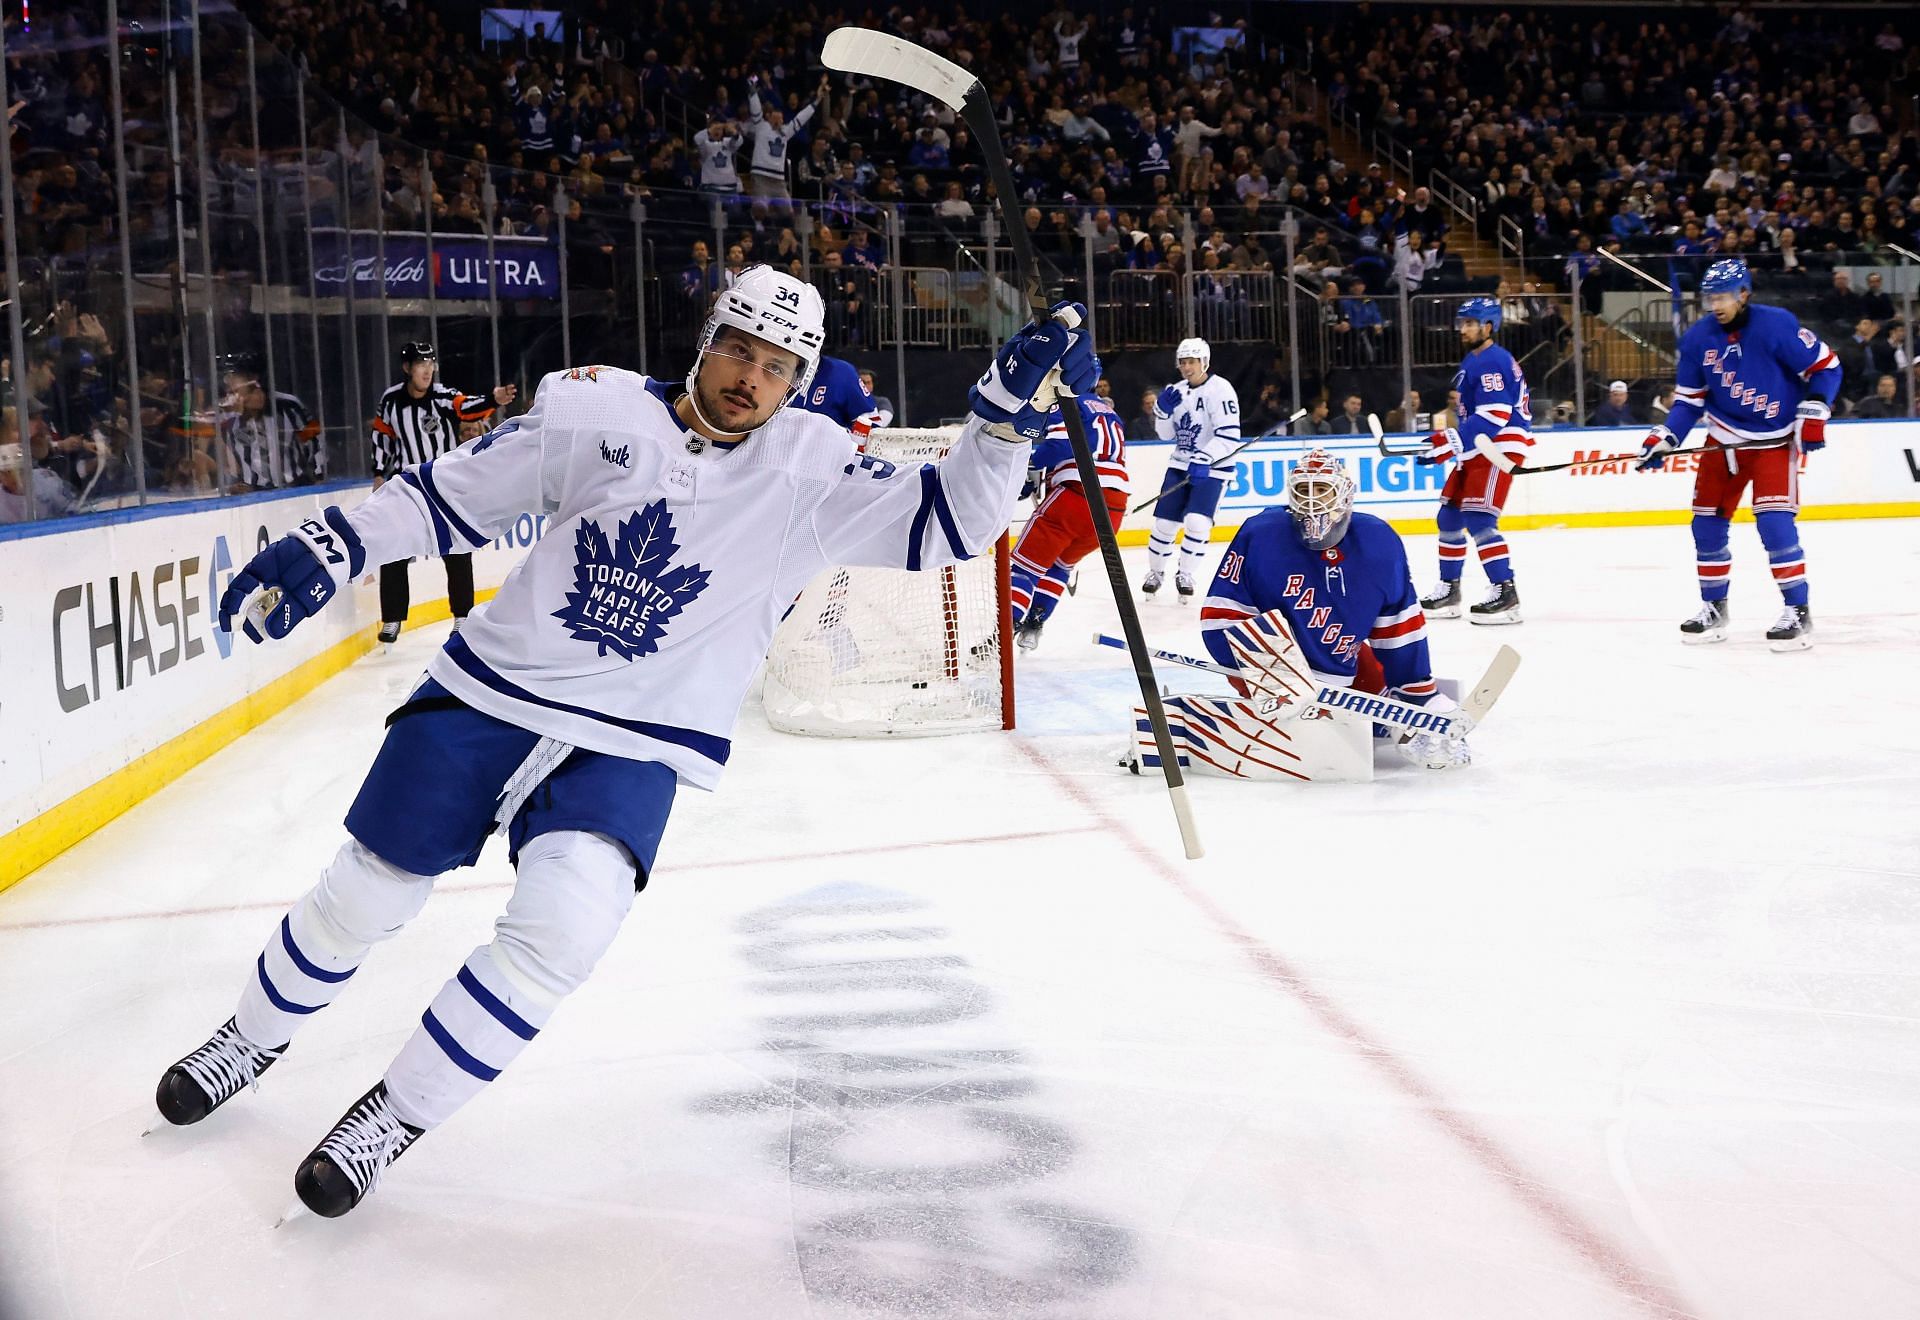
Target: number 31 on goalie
pixel 1231 565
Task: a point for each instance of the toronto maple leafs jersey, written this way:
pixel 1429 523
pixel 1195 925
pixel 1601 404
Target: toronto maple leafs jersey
pixel 836 392
pixel 635 626
pixel 1749 378
pixel 1204 425
pixel 1360 591
pixel 1496 409
pixel 1106 436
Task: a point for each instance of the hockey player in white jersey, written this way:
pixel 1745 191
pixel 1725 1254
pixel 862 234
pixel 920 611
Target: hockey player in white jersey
pixel 1200 413
pixel 607 673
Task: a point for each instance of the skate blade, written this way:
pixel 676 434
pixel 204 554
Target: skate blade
pixel 1787 644
pixel 1505 616
pixel 1444 612
pixel 297 1210
pixel 1703 639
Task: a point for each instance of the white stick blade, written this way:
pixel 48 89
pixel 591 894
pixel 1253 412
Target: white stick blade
pixel 883 55
pixel 1492 683
pixel 1373 425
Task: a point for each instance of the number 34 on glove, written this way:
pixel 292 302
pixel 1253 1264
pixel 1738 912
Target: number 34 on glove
pixel 1045 360
pixel 293 578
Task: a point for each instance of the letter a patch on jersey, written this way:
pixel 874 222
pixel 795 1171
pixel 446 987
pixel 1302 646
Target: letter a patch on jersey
pixel 625 592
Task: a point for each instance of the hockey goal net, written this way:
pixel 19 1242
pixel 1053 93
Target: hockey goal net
pixel 870 651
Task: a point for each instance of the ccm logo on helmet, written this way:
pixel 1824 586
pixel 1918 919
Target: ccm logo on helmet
pixel 1374 708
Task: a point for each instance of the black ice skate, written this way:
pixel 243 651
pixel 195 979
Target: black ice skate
pixel 1151 583
pixel 1027 635
pixel 1502 605
pixel 389 633
pixel 347 1165
pixel 1793 630
pixel 1183 583
pixel 1709 625
pixel 1443 602
pixel 212 1075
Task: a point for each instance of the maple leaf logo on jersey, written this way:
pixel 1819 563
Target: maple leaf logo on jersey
pixel 1186 431
pixel 624 592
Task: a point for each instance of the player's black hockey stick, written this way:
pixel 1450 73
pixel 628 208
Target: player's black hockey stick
pixel 1234 453
pixel 1606 458
pixel 1379 437
pixel 883 55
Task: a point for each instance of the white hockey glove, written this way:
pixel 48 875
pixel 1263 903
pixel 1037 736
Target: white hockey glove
pixel 1810 424
pixel 1430 751
pixel 1653 450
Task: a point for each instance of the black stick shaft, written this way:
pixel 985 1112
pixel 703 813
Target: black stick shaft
pixel 979 117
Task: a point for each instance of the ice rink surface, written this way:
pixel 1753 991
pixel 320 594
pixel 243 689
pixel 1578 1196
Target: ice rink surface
pixel 1619 1022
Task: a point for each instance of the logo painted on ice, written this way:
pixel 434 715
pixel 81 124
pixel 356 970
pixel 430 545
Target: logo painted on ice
pixel 625 592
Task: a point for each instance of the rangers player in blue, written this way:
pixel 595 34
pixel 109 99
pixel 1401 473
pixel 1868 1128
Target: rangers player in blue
pixel 606 675
pixel 1495 432
pixel 1766 385
pixel 838 393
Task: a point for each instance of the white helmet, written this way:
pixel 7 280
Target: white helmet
pixel 1194 348
pixel 1320 498
pixel 774 307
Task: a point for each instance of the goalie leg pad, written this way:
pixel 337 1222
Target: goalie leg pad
pixel 1236 739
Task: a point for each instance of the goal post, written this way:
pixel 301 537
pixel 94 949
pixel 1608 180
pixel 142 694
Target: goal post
pixel 869 652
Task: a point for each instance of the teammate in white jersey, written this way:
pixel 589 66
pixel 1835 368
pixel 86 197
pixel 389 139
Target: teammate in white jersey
pixel 1200 413
pixel 606 673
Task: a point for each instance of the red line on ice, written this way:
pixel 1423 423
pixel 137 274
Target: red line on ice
pixel 1654 1295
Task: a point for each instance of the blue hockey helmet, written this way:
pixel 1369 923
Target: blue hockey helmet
pixel 1726 276
pixel 1484 310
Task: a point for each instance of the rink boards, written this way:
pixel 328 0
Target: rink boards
pixel 1868 470
pixel 116 679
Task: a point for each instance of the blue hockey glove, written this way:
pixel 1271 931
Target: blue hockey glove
pixel 296 576
pixel 1005 395
pixel 1810 425
pixel 1659 442
pixel 1169 400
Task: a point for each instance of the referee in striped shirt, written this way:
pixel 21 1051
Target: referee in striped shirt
pixel 419 420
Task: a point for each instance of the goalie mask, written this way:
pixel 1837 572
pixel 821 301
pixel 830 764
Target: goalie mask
pixel 774 308
pixel 1320 498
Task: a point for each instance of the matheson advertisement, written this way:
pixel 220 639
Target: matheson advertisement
pixel 1864 464
pixel 522 267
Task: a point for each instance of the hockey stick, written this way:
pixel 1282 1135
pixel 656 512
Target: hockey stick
pixel 1378 706
pixel 1152 500
pixel 882 55
pixel 1380 439
pixel 1608 458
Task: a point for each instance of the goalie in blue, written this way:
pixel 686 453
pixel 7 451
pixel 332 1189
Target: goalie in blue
pixel 1311 594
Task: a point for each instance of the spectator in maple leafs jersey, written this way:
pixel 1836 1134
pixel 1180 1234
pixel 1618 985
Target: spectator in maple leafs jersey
pixel 607 674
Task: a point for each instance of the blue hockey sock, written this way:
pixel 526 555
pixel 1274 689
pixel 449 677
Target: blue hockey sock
pixel 1713 561
pixel 1780 533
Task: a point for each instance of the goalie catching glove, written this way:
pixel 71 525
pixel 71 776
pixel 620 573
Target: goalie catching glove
pixel 1019 388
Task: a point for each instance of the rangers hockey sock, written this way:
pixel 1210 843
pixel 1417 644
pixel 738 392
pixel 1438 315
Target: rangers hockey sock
pixel 1713 561
pixel 1493 556
pixel 1023 577
pixel 1453 555
pixel 1781 535
pixel 474 1028
pixel 1047 593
